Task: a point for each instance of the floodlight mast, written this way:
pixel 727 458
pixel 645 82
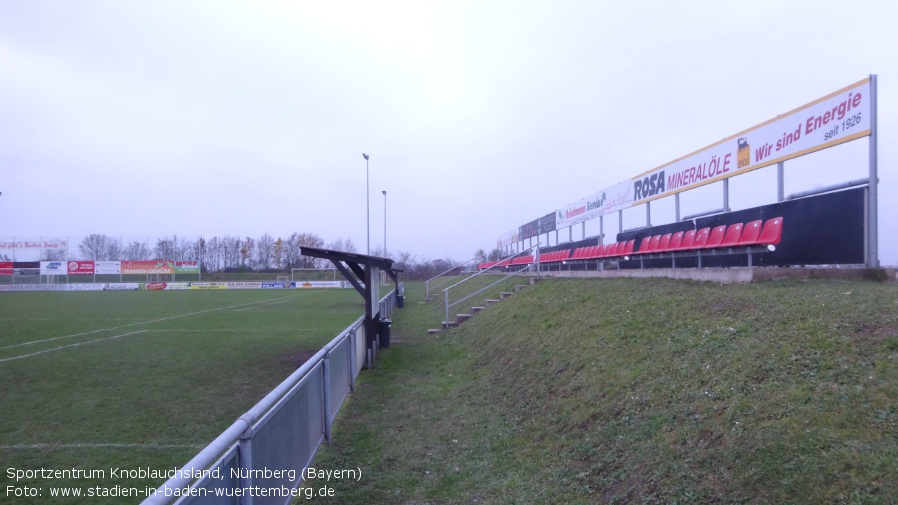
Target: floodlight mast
pixel 367 203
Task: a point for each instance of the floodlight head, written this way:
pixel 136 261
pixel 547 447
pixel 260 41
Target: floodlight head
pixel 365 156
pixel 384 192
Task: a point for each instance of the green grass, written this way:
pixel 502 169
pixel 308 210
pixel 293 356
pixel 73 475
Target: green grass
pixel 633 391
pixel 190 363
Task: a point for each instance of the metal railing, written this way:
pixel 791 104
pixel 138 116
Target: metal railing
pixel 271 446
pixel 529 267
pixel 427 286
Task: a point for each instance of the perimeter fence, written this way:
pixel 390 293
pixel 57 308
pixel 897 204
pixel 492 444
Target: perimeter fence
pixel 263 457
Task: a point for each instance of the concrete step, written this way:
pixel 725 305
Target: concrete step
pixel 519 287
pixel 460 318
pixel 433 331
pixel 491 301
pixel 449 324
pixel 475 310
pixel 505 294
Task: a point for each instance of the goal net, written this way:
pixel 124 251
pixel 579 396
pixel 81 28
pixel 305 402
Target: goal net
pixel 313 274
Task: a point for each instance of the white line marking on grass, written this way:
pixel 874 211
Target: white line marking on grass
pixel 270 302
pixel 71 345
pixel 31 447
pixel 140 323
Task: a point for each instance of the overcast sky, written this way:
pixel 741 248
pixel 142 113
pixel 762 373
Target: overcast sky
pixel 244 118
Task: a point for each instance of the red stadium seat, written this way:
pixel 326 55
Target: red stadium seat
pixel 675 240
pixel 643 245
pixel 653 244
pixel 628 247
pixel 611 250
pixel 664 244
pixel 750 233
pixel 688 240
pixel 701 238
pixel 716 237
pixel 772 233
pixel 733 234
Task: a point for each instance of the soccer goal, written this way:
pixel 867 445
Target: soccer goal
pixel 313 274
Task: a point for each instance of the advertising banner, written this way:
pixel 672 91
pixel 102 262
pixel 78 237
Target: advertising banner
pixel 609 200
pixel 244 285
pixel 108 267
pixel 81 268
pixel 6 267
pixel 530 229
pixel 546 223
pixel 321 284
pixel 53 268
pixel 834 119
pixel 26 268
pixel 121 286
pixel 87 286
pixel 187 267
pixel 148 267
pixel 34 244
pixel 208 285
pixel 841 116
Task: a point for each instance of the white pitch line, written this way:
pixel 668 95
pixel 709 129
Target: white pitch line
pixel 31 447
pixel 140 323
pixel 71 345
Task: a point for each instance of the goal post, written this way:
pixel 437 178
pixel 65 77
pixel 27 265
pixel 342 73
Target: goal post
pixel 313 274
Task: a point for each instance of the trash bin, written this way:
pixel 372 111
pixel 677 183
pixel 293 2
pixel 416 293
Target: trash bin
pixel 385 333
pixel 400 301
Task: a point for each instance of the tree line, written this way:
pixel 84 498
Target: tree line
pixel 236 253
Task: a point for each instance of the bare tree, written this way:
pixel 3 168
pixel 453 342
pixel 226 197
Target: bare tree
pixel 166 248
pixel 136 250
pixel 278 257
pixel 343 245
pixel 246 252
pixel 98 247
pixel 264 251
pixel 53 255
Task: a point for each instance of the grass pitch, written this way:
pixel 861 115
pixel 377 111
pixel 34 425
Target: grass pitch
pixel 126 380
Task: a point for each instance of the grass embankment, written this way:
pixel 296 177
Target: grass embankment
pixel 633 391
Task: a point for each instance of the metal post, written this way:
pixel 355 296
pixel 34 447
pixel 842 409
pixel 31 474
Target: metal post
pixel 648 213
pixel 385 223
pixel 446 302
pixel 326 391
pixel 352 344
pixel 367 203
pixel 676 207
pixel 601 229
pixel 780 182
pixel 872 198
pixel 726 195
pixel 246 457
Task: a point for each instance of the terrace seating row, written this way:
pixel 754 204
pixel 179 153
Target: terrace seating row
pixel 736 238
pixel 720 237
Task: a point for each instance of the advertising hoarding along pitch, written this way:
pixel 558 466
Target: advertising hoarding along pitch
pixel 834 119
pixel 108 267
pixel 839 117
pixel 148 267
pixel 81 268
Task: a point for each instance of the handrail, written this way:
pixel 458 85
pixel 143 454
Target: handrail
pixel 826 189
pixel 446 290
pixel 427 282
